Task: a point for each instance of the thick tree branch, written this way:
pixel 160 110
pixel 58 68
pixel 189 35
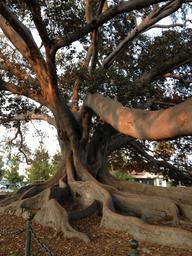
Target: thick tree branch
pixel 103 6
pixel 103 18
pixel 178 77
pixel 91 53
pixel 47 42
pixel 119 141
pixel 151 19
pixel 167 26
pixel 22 90
pixel 173 171
pixel 30 115
pixel 75 97
pixel 16 70
pixel 39 23
pixel 156 72
pixel 22 39
pixel 143 124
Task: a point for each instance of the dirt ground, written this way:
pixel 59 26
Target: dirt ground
pixel 103 241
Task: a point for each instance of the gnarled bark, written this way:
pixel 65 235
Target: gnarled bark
pixel 74 193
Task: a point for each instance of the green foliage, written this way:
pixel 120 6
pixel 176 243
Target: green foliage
pixel 2 169
pixel 42 168
pixel 123 176
pixel 55 162
pixel 165 148
pixel 12 172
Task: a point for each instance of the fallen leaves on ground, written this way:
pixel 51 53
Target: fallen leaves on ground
pixel 103 241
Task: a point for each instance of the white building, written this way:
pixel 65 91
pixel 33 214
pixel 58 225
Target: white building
pixel 149 178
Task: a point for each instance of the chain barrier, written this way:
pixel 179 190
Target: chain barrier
pixel 29 232
pixel 134 248
pixel 41 245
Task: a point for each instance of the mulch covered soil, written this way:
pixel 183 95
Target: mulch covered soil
pixel 103 241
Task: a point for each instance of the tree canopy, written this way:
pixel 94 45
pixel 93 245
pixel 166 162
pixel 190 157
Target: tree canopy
pixel 2 168
pixel 109 76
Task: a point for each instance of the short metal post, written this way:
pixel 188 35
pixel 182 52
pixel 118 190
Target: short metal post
pixel 134 246
pixel 28 236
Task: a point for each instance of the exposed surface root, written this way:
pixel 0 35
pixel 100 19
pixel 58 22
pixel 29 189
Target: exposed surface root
pixel 48 211
pixel 186 211
pixel 146 207
pixel 178 194
pixel 123 206
pixel 169 236
pixel 24 192
pixel 83 213
pixel 53 215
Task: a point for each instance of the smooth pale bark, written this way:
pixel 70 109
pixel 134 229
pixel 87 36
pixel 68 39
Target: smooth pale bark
pixel 143 124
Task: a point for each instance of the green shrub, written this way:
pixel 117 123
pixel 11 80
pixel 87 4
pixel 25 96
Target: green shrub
pixel 123 176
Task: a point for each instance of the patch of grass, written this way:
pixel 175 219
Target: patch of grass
pixel 123 176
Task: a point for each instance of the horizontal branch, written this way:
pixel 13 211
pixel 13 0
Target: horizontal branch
pixel 119 141
pixel 16 70
pixel 30 115
pixel 168 65
pixel 167 26
pixel 22 90
pixel 173 171
pixel 178 77
pixel 143 124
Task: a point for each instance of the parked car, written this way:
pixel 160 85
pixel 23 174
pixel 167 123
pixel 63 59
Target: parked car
pixel 5 189
pixel 5 186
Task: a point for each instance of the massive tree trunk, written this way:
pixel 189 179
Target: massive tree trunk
pixel 82 186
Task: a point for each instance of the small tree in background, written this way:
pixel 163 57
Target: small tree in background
pixel 2 169
pixel 54 163
pixel 41 168
pixel 12 172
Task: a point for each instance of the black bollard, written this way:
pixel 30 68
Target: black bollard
pixel 134 246
pixel 28 235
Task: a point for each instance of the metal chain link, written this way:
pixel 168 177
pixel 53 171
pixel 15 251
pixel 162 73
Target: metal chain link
pixel 11 232
pixel 42 246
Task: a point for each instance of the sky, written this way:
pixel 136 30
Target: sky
pixel 33 140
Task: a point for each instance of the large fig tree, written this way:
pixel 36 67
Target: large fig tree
pixel 107 79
